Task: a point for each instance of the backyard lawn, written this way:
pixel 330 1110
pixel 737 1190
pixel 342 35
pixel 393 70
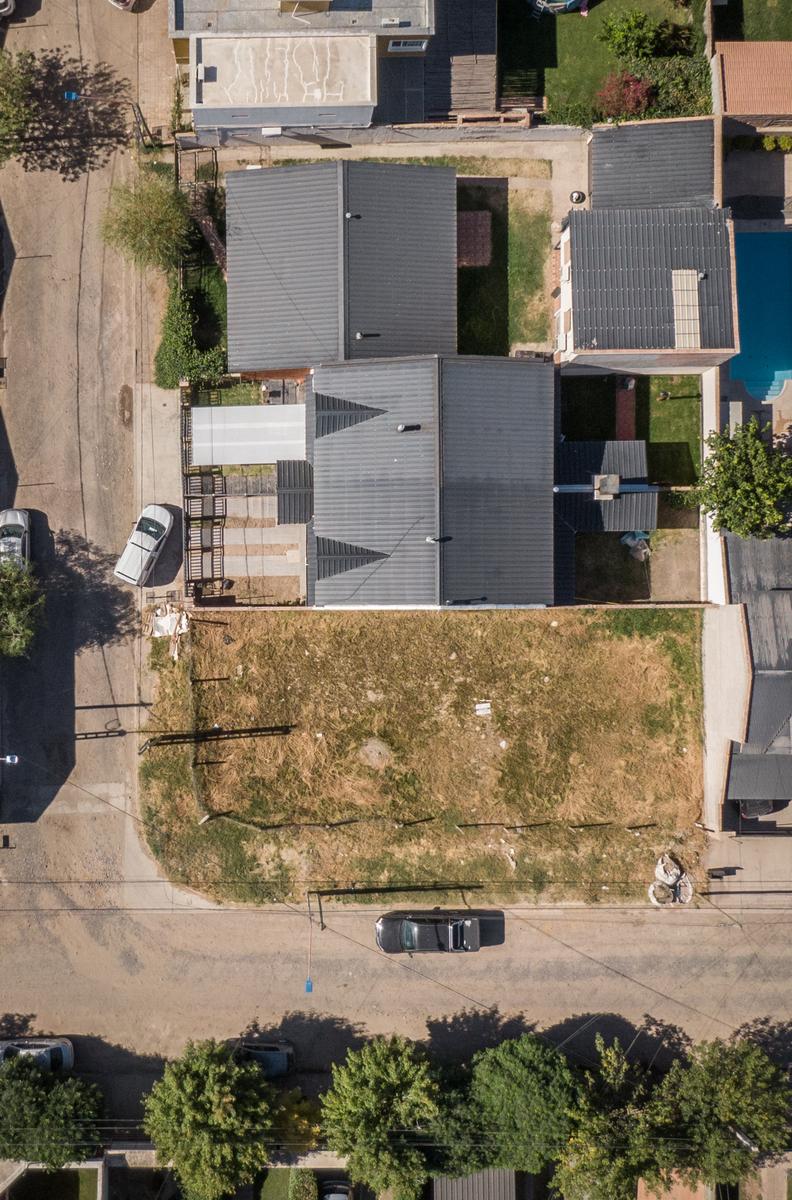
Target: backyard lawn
pixel 754 20
pixel 390 777
pixel 55 1185
pixel 670 425
pixel 561 57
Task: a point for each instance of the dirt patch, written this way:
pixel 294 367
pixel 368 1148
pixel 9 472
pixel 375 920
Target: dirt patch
pixel 588 764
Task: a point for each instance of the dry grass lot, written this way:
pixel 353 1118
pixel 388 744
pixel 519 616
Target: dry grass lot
pixel 595 727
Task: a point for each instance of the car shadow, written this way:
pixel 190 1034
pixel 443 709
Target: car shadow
pixel 168 565
pixel 319 1040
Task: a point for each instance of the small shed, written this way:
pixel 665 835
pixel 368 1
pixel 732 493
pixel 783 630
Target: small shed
pixel 483 1185
pixel 244 434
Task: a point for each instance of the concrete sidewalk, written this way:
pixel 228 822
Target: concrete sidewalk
pixel 726 669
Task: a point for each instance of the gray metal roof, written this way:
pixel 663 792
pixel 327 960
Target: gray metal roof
pixel 304 279
pixel 757 565
pixel 475 479
pixel 758 776
pixel 576 462
pixel 628 513
pixel 653 164
pixel 483 1185
pixel 622 260
pixel 771 709
pixel 770 630
pixel 497 481
pixel 295 492
pixel 265 16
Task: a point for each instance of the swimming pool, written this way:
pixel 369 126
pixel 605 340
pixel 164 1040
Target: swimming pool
pixel 764 304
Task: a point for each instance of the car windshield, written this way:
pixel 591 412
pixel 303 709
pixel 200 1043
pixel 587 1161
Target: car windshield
pixel 457 935
pixel 409 935
pixel 152 528
pixel 11 531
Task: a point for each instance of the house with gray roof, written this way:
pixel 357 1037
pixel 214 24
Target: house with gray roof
pixel 648 289
pixel 339 261
pixel 655 164
pixel 432 483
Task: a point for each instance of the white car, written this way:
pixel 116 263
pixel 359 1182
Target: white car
pixel 144 545
pixel 15 536
pixel 51 1054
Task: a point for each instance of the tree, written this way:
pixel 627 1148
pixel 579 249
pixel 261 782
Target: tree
pixel 746 482
pixel 209 1116
pixel 149 221
pixel 21 602
pixel 524 1090
pixel 302 1184
pixel 17 108
pixel 716 1117
pixel 632 34
pixel 45 1118
pixel 624 95
pixel 378 1110
pixel 607 1152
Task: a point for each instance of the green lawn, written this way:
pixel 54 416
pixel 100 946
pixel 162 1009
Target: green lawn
pixel 754 20
pixel 561 57
pixel 133 1183
pixel 275 1185
pixel 55 1185
pixel 671 427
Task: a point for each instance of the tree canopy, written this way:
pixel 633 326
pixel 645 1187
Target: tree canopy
pixel 209 1116
pixel 746 482
pixel 17 107
pixel 524 1090
pixel 714 1118
pixel 45 1118
pixel 380 1106
pixel 149 221
pixel 21 603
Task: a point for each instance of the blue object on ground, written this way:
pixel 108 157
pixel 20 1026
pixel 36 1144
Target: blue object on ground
pixel 71 95
pixel 764 303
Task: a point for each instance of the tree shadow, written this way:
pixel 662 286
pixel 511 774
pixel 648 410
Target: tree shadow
pixel 653 1042
pixel 14 1025
pixel 774 1037
pixel 456 1039
pixel 123 1076
pixel 78 578
pixel 319 1040
pixel 74 136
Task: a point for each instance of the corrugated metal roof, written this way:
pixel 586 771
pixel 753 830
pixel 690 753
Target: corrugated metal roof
pixel 377 488
pixel 295 492
pixel 626 513
pixel 645 164
pixel 771 707
pixel 400 260
pixel 497 481
pixel 756 78
pixel 770 630
pixel 622 260
pixel 576 462
pixel 483 1185
pixel 333 414
pixel 283 239
pixel 304 280
pixel 760 776
pixel 232 435
pixel 462 507
pixel 757 565
pixel 336 558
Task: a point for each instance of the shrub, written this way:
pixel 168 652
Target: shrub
pixel 624 95
pixel 630 35
pixel 785 143
pixel 20 609
pixel 178 356
pixel 769 142
pixel 682 85
pixel 571 112
pixel 302 1184
pixel 149 222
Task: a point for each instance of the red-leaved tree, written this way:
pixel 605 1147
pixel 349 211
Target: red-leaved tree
pixel 624 95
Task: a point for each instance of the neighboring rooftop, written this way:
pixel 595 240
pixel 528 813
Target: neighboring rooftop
pixel 631 508
pixel 308 283
pixel 284 71
pixel 482 1185
pixel 399 18
pixel 755 78
pixel 651 279
pixel 456 507
pixel 653 164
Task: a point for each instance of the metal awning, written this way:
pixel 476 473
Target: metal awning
pixel 247 434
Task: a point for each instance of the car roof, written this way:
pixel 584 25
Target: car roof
pixel 132 562
pixel 14 516
pixel 156 512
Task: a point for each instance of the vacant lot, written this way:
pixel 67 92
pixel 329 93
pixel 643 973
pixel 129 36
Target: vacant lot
pixel 390 777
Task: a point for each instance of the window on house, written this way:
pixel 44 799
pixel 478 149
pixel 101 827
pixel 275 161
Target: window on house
pixel 407 45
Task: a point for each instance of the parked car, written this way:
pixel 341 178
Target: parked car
pixel 144 545
pixel 275 1058
pixel 15 536
pixel 439 930
pixel 126 5
pixel 51 1054
pixel 335 1189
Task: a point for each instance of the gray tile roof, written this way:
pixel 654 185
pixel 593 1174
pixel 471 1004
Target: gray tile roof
pixel 497 481
pixel 303 279
pixel 576 462
pixel 483 1185
pixel 475 479
pixel 653 164
pixel 622 261
pixel 628 513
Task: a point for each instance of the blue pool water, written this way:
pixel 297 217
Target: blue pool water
pixel 764 303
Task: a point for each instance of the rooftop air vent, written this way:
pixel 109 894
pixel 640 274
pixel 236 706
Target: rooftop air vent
pixel 606 487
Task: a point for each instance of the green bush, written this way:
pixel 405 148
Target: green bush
pixel 149 222
pixel 682 86
pixel 302 1184
pixel 785 143
pixel 630 35
pixel 178 356
pixel 571 112
pixel 21 603
pixel 769 142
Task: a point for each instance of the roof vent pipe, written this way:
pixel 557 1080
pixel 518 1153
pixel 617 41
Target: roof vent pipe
pixel 407 428
pixel 360 335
